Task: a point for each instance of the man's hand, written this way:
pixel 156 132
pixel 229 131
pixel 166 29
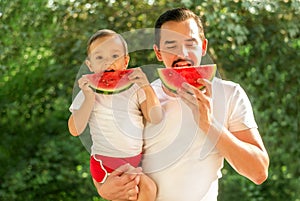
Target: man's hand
pixel 199 101
pixel 121 184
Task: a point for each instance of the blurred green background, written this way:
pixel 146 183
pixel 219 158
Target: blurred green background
pixel 42 47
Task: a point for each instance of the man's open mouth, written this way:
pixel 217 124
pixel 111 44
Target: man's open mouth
pixel 182 63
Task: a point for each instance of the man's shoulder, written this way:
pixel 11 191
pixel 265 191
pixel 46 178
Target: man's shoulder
pixel 219 83
pixel 156 84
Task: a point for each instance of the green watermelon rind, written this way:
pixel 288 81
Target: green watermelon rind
pixel 110 92
pixel 174 89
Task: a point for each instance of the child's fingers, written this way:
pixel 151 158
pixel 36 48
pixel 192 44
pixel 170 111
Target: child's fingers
pixel 83 83
pixel 139 77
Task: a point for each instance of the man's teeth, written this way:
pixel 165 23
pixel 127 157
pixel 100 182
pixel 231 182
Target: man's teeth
pixel 182 64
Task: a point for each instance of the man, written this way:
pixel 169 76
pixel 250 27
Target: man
pixel 184 153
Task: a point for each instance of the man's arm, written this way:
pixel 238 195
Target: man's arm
pixel 121 184
pixel 244 150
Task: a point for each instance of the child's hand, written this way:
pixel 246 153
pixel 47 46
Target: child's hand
pixel 84 83
pixel 138 77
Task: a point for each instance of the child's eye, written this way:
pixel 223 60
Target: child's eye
pixel 99 57
pixel 115 56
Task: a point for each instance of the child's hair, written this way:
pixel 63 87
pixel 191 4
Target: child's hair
pixel 105 33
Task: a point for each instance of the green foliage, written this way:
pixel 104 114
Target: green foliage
pixel 254 43
pixel 261 41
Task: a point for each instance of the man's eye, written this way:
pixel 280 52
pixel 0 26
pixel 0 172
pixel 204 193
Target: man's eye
pixel 192 44
pixel 171 47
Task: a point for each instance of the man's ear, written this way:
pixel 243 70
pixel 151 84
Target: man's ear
pixel 89 65
pixel 157 52
pixel 204 46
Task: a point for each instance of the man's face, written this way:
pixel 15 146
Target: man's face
pixel 180 44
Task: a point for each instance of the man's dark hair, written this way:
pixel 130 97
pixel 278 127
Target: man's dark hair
pixel 177 15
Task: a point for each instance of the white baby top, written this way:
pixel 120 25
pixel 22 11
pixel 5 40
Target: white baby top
pixel 116 122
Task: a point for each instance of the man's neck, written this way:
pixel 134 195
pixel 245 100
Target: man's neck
pixel 168 92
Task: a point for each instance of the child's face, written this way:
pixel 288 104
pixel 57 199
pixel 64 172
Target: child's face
pixel 107 53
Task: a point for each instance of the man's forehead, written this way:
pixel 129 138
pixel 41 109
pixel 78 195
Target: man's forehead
pixel 169 35
pixel 179 30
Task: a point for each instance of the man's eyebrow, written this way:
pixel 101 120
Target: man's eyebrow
pixel 191 40
pixel 170 42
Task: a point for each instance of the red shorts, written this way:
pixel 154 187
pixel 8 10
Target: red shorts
pixel 101 166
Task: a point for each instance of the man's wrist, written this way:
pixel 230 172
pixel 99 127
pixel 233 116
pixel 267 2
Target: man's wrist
pixel 215 130
pixel 102 193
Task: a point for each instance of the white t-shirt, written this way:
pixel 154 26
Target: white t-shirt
pixel 116 122
pixel 180 158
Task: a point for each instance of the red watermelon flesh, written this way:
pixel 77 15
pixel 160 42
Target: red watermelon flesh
pixel 172 78
pixel 110 82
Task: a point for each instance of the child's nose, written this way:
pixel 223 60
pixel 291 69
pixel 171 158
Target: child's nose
pixel 108 62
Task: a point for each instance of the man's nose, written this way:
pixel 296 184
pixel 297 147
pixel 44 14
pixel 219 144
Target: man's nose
pixel 182 51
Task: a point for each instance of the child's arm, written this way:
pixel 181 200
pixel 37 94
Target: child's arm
pixel 151 107
pixel 79 118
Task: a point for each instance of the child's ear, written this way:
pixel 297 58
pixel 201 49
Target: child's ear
pixel 157 52
pixel 89 65
pixel 127 59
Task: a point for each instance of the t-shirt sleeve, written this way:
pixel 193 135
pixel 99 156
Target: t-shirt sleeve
pixel 77 102
pixel 241 116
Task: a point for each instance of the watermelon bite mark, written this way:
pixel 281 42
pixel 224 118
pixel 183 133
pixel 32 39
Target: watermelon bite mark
pixel 172 78
pixel 110 82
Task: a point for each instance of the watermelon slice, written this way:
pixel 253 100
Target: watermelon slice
pixel 110 82
pixel 172 78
